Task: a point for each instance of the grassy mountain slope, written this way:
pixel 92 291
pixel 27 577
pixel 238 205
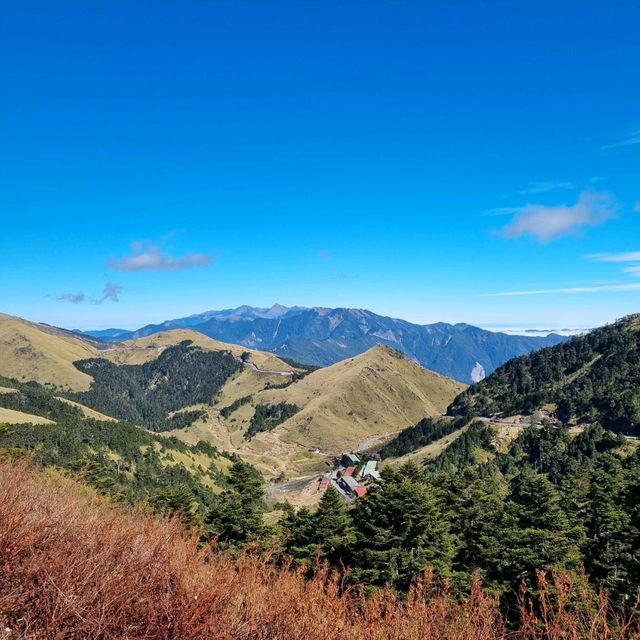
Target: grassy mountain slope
pixel 350 405
pixel 591 378
pixel 11 416
pixel 142 350
pixel 180 376
pixel 30 351
pixel 365 397
pixel 119 459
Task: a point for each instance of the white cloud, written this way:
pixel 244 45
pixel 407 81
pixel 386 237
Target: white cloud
pixel 501 211
pixel 110 292
pixel 636 207
pixel 629 256
pixel 621 257
pixel 546 223
pixel 547 185
pixel 630 140
pixel 148 257
pixel 631 286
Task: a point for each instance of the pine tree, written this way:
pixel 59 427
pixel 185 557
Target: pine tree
pixel 537 534
pixel 298 528
pixel 334 532
pixel 610 550
pixel 400 531
pixel 237 514
pixel 178 500
pixel 480 519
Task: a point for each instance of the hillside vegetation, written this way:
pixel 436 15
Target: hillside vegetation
pixel 350 405
pixel 73 566
pixel 182 375
pixel 591 378
pixel 369 396
pixel 219 392
pixel 118 459
pixel 29 351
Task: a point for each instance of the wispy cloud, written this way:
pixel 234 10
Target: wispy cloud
pixel 632 139
pixel 625 256
pixel 547 185
pixel 621 257
pixel 73 298
pixel 110 292
pixel 149 257
pixel 628 286
pixel 546 223
pixel 501 211
pixel 636 207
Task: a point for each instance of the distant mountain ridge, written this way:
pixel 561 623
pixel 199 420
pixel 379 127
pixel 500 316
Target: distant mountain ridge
pixel 323 336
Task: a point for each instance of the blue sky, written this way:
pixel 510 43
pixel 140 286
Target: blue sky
pixel 420 159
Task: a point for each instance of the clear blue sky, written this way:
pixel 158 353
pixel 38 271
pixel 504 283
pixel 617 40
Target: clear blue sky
pixel 414 158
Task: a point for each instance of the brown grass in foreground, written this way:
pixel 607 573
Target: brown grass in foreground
pixel 72 567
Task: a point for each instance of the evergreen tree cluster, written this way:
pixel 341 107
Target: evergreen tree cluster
pixel 118 459
pixel 268 416
pixel 425 432
pixel 551 502
pixel 183 375
pixel 225 412
pixel 591 378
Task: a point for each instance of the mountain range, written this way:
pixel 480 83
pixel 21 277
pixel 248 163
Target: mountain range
pixel 323 336
pixel 283 419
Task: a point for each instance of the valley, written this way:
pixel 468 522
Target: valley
pixel 373 462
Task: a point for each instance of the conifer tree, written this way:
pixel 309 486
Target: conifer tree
pixel 610 550
pixel 537 534
pixel 298 529
pixel 400 531
pixel 334 532
pixel 237 514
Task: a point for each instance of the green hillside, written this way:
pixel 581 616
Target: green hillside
pixel 591 378
pixel 181 376
pixel 117 458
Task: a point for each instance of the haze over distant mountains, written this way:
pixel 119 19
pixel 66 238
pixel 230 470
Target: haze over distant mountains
pixel 323 336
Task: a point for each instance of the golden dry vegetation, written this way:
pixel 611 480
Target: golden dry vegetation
pixel 30 351
pixel 73 566
pixel 10 416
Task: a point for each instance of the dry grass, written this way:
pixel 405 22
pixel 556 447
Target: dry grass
pixel 10 416
pixel 87 411
pixel 73 567
pixel 29 351
pixel 375 393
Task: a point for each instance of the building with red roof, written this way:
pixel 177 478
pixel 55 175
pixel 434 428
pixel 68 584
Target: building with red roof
pixel 360 491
